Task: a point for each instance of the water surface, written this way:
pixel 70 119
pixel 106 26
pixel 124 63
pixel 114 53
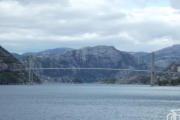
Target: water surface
pixel 87 102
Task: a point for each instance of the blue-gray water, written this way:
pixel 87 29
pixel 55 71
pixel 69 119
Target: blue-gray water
pixel 87 102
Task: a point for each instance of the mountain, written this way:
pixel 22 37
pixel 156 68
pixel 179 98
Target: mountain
pixel 56 51
pixel 16 55
pixel 88 57
pixel 12 71
pixel 168 55
pixel 170 75
pixel 139 54
pixel 164 57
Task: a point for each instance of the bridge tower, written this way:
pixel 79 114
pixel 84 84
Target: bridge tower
pixel 31 69
pixel 152 70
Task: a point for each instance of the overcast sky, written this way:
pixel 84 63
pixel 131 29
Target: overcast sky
pixel 130 25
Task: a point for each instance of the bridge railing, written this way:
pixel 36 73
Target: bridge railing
pixel 174 115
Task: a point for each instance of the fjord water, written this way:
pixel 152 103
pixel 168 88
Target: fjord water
pixel 87 102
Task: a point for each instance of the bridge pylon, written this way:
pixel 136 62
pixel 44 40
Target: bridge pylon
pixel 152 71
pixel 30 69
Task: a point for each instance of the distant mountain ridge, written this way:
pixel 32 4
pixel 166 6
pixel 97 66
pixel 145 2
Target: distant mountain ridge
pixel 139 54
pixel 56 51
pixel 163 57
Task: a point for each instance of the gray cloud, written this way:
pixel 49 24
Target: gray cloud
pixel 175 4
pixel 62 2
pixel 41 24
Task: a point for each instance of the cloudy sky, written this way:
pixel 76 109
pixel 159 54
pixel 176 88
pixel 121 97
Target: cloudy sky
pixel 130 25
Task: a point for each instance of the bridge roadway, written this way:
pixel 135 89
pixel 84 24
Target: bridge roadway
pixel 106 69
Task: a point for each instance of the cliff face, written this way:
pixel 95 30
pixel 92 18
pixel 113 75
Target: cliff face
pixel 89 57
pixel 11 70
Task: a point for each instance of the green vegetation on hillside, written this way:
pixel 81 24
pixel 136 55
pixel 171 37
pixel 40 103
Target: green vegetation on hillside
pixel 12 71
pixel 108 81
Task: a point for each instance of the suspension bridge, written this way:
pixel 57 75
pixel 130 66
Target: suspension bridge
pixel 151 71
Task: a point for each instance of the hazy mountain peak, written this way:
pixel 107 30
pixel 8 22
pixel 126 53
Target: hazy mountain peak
pixel 55 51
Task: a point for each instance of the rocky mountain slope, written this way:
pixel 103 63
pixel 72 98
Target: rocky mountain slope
pixel 11 70
pixel 89 57
pixel 163 57
pixel 170 75
pixel 49 52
